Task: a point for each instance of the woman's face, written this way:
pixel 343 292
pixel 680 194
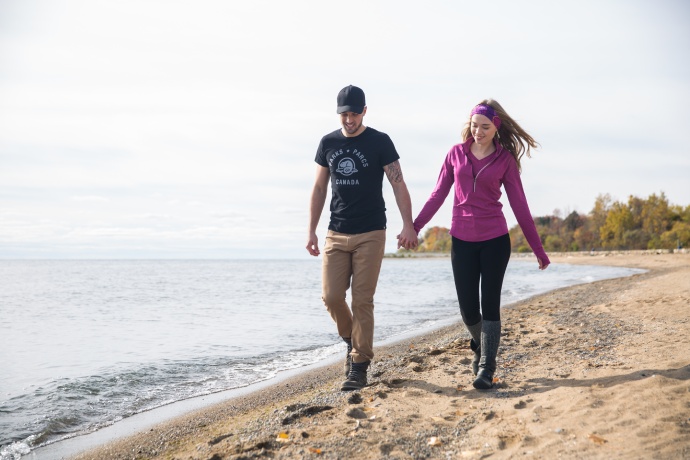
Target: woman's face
pixel 482 129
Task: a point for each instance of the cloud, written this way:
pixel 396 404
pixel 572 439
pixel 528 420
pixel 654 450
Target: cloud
pixel 92 198
pixel 169 129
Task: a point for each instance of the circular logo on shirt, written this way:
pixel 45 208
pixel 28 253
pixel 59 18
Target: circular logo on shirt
pixel 346 167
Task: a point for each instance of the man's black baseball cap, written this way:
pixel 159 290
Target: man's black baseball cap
pixel 351 99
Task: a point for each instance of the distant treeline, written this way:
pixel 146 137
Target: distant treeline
pixel 650 223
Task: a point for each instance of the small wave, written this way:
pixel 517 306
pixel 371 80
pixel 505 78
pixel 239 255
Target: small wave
pixel 83 405
pixel 16 450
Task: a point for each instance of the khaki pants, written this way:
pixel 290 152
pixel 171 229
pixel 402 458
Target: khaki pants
pixel 353 260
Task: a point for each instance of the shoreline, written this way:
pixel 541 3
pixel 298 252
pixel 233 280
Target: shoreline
pixel 326 423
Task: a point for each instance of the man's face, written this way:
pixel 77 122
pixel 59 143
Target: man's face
pixel 352 122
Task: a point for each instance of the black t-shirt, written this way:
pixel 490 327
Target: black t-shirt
pixel 356 168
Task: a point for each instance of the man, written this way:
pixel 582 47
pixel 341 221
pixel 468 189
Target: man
pixel 355 158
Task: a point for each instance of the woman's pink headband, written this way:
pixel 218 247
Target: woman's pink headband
pixel 488 112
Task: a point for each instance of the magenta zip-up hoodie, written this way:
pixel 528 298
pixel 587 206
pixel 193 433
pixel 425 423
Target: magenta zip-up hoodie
pixel 477 211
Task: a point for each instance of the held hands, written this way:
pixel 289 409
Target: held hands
pixel 407 238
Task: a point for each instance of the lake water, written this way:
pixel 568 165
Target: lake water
pixel 84 344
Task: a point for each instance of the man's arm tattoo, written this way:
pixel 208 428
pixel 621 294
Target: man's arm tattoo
pixel 394 172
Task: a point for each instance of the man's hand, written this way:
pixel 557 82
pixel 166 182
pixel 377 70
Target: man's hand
pixel 408 238
pixel 313 245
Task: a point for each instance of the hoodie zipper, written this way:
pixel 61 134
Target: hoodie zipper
pixel 474 187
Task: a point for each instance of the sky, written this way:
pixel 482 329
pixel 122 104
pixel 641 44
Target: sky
pixel 188 129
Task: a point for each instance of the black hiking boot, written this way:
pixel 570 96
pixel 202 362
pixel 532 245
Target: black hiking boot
pixel 348 358
pixel 475 344
pixel 477 356
pixel 357 379
pixel 491 338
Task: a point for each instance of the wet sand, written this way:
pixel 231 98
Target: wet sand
pixel 595 371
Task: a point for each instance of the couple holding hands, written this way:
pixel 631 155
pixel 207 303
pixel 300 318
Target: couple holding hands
pixel 354 159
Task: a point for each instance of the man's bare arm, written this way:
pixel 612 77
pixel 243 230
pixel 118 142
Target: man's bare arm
pixel 407 237
pixel 318 199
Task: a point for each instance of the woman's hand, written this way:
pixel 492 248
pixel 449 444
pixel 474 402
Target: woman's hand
pixel 542 265
pixel 408 238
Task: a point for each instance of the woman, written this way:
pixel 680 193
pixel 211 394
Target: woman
pixel 489 156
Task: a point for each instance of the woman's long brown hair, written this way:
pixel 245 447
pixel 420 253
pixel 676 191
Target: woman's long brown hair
pixel 510 135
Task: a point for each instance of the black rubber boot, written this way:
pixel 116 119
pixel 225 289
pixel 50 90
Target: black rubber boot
pixel 491 338
pixel 477 356
pixel 348 358
pixel 475 341
pixel 357 378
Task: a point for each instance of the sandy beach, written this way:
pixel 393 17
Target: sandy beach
pixel 596 371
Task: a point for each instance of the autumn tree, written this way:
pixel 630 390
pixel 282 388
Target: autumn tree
pixel 655 219
pixel 435 239
pixel 679 234
pixel 618 229
pixel 597 218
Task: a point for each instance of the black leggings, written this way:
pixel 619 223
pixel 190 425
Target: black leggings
pixel 474 261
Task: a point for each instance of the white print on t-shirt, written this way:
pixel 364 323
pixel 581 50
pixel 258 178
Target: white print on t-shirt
pixel 346 182
pixel 346 167
pixel 355 152
pixel 361 157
